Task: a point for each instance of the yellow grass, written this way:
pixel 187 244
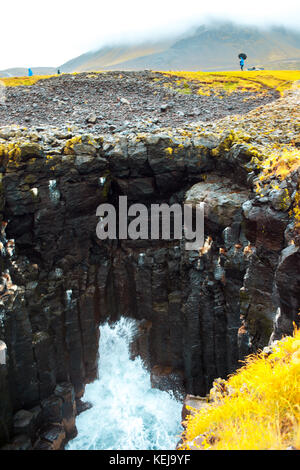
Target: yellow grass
pixel 260 81
pixel 24 81
pixel 280 163
pixel 260 408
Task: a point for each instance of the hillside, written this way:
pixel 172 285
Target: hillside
pixel 208 48
pixel 111 57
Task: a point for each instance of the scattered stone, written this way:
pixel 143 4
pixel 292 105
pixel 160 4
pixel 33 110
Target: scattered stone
pixel 91 119
pixel 136 94
pixel 164 107
pixel 124 101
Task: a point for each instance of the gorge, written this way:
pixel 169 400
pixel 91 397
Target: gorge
pixel 126 413
pixel 197 313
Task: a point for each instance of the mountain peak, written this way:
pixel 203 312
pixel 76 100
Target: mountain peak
pixel 208 47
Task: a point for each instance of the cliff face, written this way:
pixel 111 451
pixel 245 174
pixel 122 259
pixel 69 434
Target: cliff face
pixel 199 313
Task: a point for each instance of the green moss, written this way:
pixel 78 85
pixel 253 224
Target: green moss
pixel 184 91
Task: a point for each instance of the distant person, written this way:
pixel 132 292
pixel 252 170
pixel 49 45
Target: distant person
pixel 30 73
pixel 242 56
pixel 58 72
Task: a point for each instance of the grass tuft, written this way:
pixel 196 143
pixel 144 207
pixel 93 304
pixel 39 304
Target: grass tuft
pixel 257 408
pixel 254 81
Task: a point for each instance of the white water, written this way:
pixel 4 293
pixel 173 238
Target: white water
pixel 127 413
pixel 54 191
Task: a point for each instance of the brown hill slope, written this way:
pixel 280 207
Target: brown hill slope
pixel 208 48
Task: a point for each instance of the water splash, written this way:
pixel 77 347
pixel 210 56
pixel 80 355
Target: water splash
pixel 127 413
pixel 69 297
pixel 141 259
pixel 54 191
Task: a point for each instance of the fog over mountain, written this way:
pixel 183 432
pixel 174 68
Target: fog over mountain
pixel 213 47
pixel 51 33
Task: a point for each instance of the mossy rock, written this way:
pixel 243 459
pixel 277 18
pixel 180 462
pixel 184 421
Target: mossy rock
pixel 29 150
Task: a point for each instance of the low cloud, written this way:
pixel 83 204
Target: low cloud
pixel 49 33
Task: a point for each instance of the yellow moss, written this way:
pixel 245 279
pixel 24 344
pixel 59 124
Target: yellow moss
pixel 11 152
pixel 256 408
pixel 69 146
pixel 279 163
pixel 141 137
pixel 169 151
pixel 234 137
pixel 258 81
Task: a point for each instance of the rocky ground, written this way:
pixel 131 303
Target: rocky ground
pixel 275 123
pixel 120 101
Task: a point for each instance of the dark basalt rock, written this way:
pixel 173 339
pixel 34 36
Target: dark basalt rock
pixel 82 406
pixel 167 378
pixel 287 282
pixel 23 422
pixel 52 437
pixel 66 392
pixel 198 313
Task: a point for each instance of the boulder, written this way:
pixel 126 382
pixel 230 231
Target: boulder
pixel 223 201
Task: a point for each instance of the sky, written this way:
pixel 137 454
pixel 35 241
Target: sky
pixel 50 32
